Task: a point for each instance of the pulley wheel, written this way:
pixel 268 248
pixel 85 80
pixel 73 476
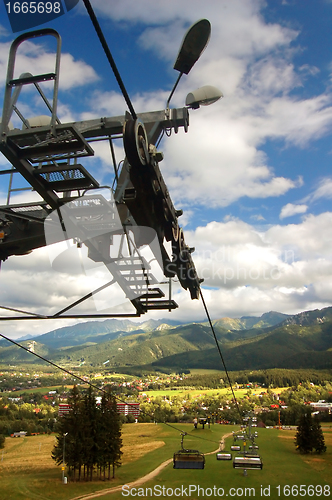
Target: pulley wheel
pixel 135 143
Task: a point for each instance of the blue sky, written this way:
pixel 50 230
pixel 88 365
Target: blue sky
pixel 253 172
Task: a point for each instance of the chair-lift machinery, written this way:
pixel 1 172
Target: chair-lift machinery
pixel 50 156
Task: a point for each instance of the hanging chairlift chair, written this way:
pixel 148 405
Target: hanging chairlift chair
pixel 248 461
pixel 188 459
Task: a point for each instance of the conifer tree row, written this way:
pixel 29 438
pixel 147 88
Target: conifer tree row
pixel 91 434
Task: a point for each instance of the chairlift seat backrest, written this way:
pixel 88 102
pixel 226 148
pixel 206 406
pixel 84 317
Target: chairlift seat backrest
pixel 247 462
pixel 188 459
pixel 235 448
pixel 224 456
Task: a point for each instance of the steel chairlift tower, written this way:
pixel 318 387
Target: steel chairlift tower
pixel 248 458
pixel 50 156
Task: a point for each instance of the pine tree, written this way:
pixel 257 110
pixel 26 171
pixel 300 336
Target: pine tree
pixel 309 435
pixel 303 438
pixel 74 448
pixel 104 437
pixel 318 441
pixel 92 434
pixel 115 435
pixel 109 436
pixel 69 428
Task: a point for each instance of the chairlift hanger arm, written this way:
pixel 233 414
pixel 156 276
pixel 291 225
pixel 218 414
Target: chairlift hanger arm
pixel 155 123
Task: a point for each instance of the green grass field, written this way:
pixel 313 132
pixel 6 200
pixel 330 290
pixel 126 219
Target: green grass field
pixel 195 393
pixel 38 390
pixel 27 471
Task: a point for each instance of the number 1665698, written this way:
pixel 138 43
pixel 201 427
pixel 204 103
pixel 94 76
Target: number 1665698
pixel 33 7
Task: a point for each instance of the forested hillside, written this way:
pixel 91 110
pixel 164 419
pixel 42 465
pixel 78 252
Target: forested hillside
pixel 300 341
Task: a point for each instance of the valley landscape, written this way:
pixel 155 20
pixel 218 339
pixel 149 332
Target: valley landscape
pixel 174 371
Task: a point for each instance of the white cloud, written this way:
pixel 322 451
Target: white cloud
pixel 37 59
pixel 4 50
pixel 233 254
pixel 258 217
pixel 246 271
pixel 254 302
pixel 285 268
pixel 75 73
pixel 112 103
pixel 324 189
pixel 104 104
pixel 310 239
pixel 291 209
pixel 218 163
pixel 299 121
pixel 236 21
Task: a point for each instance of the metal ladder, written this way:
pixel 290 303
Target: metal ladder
pixel 44 153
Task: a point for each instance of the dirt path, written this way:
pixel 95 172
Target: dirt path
pixel 144 479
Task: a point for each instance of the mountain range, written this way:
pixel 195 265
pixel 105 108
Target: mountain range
pixel 273 340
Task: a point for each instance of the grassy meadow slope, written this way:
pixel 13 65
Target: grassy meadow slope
pixel 28 472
